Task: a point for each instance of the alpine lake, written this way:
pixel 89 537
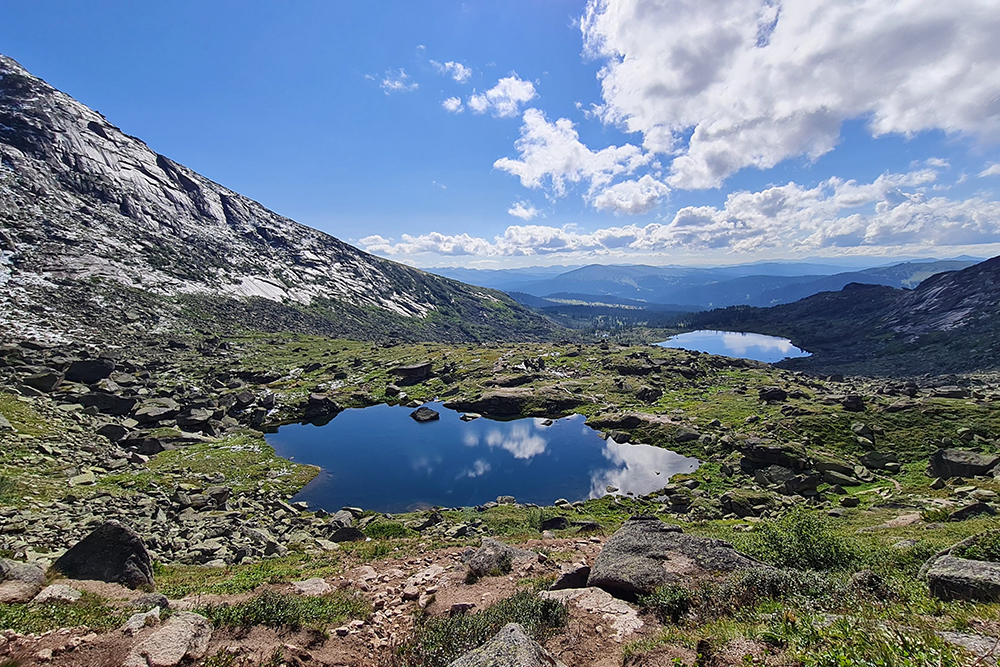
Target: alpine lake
pixel 381 459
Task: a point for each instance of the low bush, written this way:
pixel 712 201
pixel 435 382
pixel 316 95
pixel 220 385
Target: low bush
pixel 382 530
pixel 802 540
pixel 276 610
pixel 438 641
pixel 668 603
pixel 985 547
pixel 90 610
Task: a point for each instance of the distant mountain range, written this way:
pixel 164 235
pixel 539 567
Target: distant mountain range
pixel 758 284
pixel 100 234
pixel 950 322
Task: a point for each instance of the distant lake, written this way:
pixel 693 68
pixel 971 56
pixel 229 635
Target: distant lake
pixel 379 458
pixel 736 344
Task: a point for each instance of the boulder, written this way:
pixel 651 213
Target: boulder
pixel 878 460
pixel 46 382
pixel 772 394
pixel 746 502
pixel 646 553
pixel 314 587
pixel 494 557
pixel 20 582
pixel 555 523
pixel 853 403
pixel 621 616
pixel 347 534
pixel 969 511
pixel 424 414
pixel 648 394
pixel 111 553
pixel 157 409
pixel 58 593
pixel 960 463
pixel 109 404
pixel 511 647
pixel 571 576
pixel 951 578
pixel 520 401
pixel 414 372
pixel 89 371
pixel 759 453
pixel 183 636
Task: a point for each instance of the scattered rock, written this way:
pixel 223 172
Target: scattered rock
pixel 969 511
pixel 624 620
pixel 20 582
pixel 424 414
pixel 314 587
pixel 183 636
pixel 948 463
pixel 772 394
pixel 571 576
pixel 511 647
pixel 58 593
pixel 112 553
pixel 494 557
pixel 137 622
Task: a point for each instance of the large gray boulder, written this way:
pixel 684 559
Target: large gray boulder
pixel 111 553
pixel 494 557
pixel 646 553
pixel 511 647
pixel 184 636
pixel 951 578
pixel 960 463
pixel 20 582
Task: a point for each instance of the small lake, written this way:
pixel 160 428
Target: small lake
pixel 378 458
pixel 736 344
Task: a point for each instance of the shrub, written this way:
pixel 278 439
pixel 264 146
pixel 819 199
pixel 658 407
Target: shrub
pixel 668 603
pixel 438 641
pixel 276 610
pixel 90 610
pixel 382 530
pixel 802 540
pixel 985 547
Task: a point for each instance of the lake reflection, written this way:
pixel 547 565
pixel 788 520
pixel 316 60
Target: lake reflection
pixel 736 344
pixel 380 459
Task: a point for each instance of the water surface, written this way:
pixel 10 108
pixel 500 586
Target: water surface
pixel 736 344
pixel 378 458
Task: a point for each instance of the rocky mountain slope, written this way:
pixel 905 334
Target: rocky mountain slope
pixel 98 231
pixel 948 323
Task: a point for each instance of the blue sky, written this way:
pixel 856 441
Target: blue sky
pixel 561 131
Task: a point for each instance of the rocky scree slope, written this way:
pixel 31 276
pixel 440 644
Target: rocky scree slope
pixel 950 323
pixel 92 221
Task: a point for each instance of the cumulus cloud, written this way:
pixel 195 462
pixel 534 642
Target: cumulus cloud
pixel 456 71
pixel 720 86
pixel 397 82
pixel 991 170
pixel 551 155
pixel 894 211
pixel 631 197
pixel 453 105
pixel 522 209
pixel 505 98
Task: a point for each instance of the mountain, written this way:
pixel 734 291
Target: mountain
pixel 98 231
pixel 949 323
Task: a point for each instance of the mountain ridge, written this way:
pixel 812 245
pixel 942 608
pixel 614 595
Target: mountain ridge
pixel 84 204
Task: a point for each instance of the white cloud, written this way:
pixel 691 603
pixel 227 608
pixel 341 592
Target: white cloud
pixel 456 71
pixel 397 82
pixel 894 212
pixel 631 197
pixel 552 155
pixel 725 85
pixel 505 98
pixel 520 441
pixel 522 209
pixel 992 169
pixel 453 105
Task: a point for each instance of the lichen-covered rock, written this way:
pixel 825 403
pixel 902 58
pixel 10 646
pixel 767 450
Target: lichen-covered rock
pixel 511 647
pixel 960 463
pixel 183 636
pixel 646 553
pixel 20 582
pixel 494 557
pixel 952 578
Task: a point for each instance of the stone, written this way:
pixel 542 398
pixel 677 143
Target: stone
pixel 948 463
pixel 772 394
pixel 646 553
pixel 424 414
pixel 89 371
pixel 853 403
pixel 20 582
pixel 183 636
pixel 58 593
pixel 347 534
pixel 849 501
pixel 623 619
pixel 5 426
pixel 112 553
pixel 109 404
pixel 494 557
pixel 113 432
pixel 951 578
pixel 151 600
pixel 759 453
pixel 469 416
pixel 686 434
pixel 839 479
pixel 648 394
pixel 969 511
pixel 555 523
pixel 878 460
pixel 413 372
pixel 157 409
pixel 571 576
pixel 138 622
pixel 511 647
pixel 314 587
pixel 46 382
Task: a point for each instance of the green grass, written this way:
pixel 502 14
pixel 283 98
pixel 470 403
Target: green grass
pixel 985 547
pixel 437 641
pixel 90 610
pixel 668 603
pixel 22 417
pixel 276 610
pixel 177 581
pixel 804 540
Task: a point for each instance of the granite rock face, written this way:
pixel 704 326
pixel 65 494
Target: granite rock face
pixel 511 647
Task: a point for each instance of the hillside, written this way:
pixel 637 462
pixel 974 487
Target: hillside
pixel 947 324
pixel 101 234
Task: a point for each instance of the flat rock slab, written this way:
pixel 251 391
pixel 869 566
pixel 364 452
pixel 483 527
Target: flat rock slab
pixel 646 553
pixel 20 582
pixel 960 463
pixel 111 553
pixel 495 557
pixel 58 593
pixel 314 587
pixel 511 647
pixel 183 636
pixel 624 619
pixel 952 578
